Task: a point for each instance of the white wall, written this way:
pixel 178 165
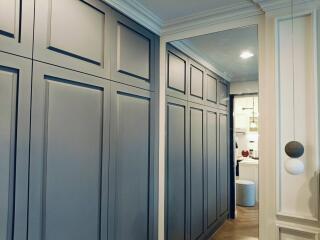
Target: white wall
pixel 244 87
pixel 297 196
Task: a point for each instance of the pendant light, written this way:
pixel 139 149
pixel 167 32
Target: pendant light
pixel 294 149
pixel 253 124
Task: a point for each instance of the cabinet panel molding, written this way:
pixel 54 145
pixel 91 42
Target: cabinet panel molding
pixel 223 164
pixel 81 43
pixel 197 161
pixel 223 93
pixel 211 86
pixel 177 73
pixel 68 187
pixel 212 166
pixel 177 187
pixel 133 51
pixel 197 78
pixel 16 27
pixel 15 89
pixel 131 172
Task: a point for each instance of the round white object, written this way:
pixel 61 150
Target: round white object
pixel 294 166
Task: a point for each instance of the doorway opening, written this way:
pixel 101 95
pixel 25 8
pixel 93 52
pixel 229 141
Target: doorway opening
pixel 212 122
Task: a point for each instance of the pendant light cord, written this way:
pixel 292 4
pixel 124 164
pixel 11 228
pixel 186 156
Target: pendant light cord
pixel 293 78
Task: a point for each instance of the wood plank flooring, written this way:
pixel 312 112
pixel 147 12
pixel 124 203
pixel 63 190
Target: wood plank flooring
pixel 244 227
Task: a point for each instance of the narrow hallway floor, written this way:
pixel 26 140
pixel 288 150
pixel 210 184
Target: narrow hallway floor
pixel 244 227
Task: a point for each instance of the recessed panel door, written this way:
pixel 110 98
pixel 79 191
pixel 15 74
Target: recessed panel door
pixel 177 73
pixel 133 52
pixel 211 89
pixel 177 170
pixel 132 166
pixel 212 154
pixel 73 34
pixel 223 94
pixel 197 150
pixel 16 26
pixel 197 82
pixel 15 90
pixel 223 164
pixel 69 155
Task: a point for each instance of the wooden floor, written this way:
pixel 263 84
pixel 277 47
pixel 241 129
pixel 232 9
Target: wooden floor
pixel 244 227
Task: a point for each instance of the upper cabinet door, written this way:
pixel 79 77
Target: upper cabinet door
pixel 16 26
pixel 211 88
pixel 197 78
pixel 133 53
pixel 223 93
pixel 73 34
pixel 15 89
pixel 177 74
pixel 69 155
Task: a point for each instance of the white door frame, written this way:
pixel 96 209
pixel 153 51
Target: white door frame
pixel 267 117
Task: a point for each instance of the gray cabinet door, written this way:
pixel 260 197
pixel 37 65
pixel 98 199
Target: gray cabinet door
pixel 133 51
pixel 131 203
pixel 69 155
pixel 211 86
pixel 177 73
pixel 73 34
pixel 177 176
pixel 196 85
pixel 15 89
pixel 16 27
pixel 223 93
pixel 223 163
pixel 197 151
pixel 211 168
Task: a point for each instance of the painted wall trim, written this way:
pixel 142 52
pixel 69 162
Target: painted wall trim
pixel 297 228
pixel 271 5
pixel 239 10
pixel 279 191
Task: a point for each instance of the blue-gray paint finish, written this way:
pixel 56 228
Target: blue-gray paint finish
pixel 223 163
pixel 15 88
pixel 8 108
pixel 133 52
pixel 131 166
pixel 68 156
pixel 211 167
pixel 176 170
pixel 196 171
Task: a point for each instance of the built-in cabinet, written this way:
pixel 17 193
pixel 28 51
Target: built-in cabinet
pixel 76 81
pixel 197 164
pixel 15 95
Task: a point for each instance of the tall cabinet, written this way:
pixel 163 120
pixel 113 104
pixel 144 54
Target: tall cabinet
pixel 77 122
pixel 197 165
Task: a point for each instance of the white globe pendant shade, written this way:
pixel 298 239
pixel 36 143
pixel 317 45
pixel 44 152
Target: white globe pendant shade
pixel 294 166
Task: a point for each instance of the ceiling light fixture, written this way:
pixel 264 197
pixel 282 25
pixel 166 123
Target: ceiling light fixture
pixel 246 54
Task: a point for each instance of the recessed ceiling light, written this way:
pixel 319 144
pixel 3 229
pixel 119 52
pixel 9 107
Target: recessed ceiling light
pixel 246 54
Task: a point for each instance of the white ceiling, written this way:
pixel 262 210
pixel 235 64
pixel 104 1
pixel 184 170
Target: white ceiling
pixel 223 50
pixel 169 10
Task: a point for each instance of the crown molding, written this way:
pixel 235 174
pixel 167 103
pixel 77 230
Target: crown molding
pixel 139 13
pixel 272 5
pixel 241 9
pixel 187 48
